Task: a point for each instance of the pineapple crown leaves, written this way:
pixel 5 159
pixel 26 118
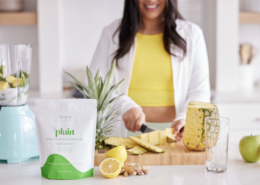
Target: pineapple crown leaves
pixel 80 90
pixel 105 121
pixel 106 85
pixel 92 84
pixel 97 89
pixel 102 91
pixel 79 83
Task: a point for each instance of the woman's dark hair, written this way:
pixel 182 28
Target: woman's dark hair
pixel 131 23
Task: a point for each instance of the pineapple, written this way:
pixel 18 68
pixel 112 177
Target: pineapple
pixel 147 145
pixel 163 137
pixel 151 137
pixel 137 150
pixel 120 141
pixel 144 137
pixel 170 132
pixel 102 91
pixel 194 133
pixel 157 137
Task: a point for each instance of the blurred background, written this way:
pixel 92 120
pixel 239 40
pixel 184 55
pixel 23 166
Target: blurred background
pixel 65 33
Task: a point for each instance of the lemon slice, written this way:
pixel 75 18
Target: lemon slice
pixel 110 167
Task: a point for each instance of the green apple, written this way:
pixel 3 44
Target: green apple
pixel 249 147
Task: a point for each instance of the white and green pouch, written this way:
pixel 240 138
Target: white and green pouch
pixel 66 137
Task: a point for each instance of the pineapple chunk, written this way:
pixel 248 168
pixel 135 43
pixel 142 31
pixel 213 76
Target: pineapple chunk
pixel 156 135
pixel 137 150
pixel 120 141
pixel 163 137
pixel 4 85
pixel 13 80
pixel 194 133
pixel 144 137
pixel 139 137
pixel 10 79
pixel 170 132
pixel 19 82
pixel 147 145
pixel 151 138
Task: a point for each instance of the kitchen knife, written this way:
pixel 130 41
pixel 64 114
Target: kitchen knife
pixel 145 129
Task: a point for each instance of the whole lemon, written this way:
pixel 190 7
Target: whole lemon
pixel 118 153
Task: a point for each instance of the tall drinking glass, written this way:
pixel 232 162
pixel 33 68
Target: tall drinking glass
pixel 217 134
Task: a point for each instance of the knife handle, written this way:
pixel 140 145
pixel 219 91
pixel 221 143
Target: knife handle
pixel 143 127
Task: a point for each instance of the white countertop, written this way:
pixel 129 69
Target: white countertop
pixel 238 173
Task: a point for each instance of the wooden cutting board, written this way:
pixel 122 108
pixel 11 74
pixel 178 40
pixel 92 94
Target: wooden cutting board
pixel 175 154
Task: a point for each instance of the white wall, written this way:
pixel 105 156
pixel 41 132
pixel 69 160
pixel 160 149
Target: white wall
pixel 82 22
pixel 250 33
pixel 202 13
pixel 227 45
pixel 50 64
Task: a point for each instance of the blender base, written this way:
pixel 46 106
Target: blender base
pixel 18 141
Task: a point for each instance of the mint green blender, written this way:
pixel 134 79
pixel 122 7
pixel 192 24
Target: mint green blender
pixel 18 141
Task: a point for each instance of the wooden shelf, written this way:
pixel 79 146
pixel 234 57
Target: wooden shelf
pixel 249 18
pixel 18 18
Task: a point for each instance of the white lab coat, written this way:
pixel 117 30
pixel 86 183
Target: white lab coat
pixel 190 76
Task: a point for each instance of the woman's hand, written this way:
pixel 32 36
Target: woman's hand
pixel 178 129
pixel 133 119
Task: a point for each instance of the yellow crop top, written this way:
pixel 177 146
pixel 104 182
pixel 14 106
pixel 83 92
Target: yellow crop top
pixel 151 82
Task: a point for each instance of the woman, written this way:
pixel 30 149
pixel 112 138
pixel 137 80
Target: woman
pixel 163 60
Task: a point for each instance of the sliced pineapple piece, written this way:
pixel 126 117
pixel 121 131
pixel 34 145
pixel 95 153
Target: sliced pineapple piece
pixel 156 135
pixel 120 141
pixel 194 133
pixel 139 137
pixel 137 150
pixel 4 85
pixel 163 137
pixel 14 81
pixel 151 138
pixel 10 79
pixel 147 145
pixel 19 82
pixel 144 137
pixel 170 132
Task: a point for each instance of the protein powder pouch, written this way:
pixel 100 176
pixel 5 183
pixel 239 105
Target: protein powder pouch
pixel 66 137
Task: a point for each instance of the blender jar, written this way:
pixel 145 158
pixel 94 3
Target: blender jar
pixel 15 68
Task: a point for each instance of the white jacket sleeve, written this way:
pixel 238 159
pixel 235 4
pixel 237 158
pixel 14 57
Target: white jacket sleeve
pixel 199 86
pixel 102 60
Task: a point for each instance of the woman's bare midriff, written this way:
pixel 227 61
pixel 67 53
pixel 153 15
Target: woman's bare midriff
pixel 159 114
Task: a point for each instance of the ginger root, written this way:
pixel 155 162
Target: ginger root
pixel 134 169
pixel 122 171
pixel 125 173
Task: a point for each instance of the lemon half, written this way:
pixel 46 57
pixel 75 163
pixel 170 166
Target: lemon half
pixel 110 167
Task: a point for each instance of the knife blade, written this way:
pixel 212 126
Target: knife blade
pixel 145 129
